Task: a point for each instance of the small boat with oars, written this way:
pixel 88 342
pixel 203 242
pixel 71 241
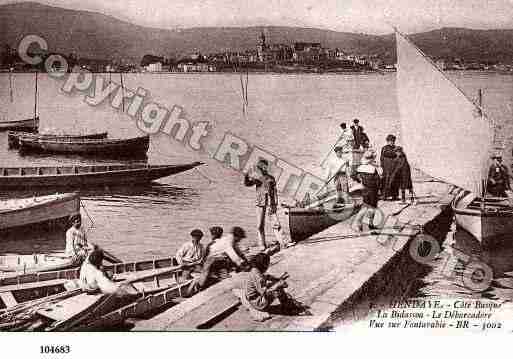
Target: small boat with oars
pixel 130 147
pixel 20 292
pixel 27 125
pixel 137 294
pixel 87 175
pixel 13 137
pixel 22 212
pixel 305 221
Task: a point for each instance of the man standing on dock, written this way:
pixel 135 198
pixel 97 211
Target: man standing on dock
pixel 368 174
pixel 266 199
pixel 358 134
pixel 338 171
pixel 387 159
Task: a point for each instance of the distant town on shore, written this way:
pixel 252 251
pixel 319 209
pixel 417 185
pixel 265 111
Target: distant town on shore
pixel 299 57
pixel 100 43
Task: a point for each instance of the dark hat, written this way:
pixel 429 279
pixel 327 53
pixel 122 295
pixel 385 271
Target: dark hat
pixel 238 232
pixel 196 233
pixel 338 148
pixel 391 138
pixel 262 162
pixel 216 231
pixel 73 218
pixel 356 120
pixel 96 257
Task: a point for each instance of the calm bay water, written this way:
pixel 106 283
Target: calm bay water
pixel 295 117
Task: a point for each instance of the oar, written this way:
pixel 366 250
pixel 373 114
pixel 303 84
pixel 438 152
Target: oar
pixel 109 257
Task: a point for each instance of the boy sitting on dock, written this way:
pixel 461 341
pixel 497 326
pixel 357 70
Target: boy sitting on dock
pixel 191 254
pixel 260 290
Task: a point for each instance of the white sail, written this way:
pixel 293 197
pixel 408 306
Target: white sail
pixel 443 132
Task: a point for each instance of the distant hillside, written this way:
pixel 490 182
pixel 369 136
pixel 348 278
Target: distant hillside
pixel 95 35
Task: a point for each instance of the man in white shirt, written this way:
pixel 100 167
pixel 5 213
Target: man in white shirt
pixel 76 240
pixel 223 249
pixel 338 172
pixel 191 252
pixel 92 278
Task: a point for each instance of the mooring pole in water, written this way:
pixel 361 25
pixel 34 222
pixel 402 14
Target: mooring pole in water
pixel 35 99
pixel 11 93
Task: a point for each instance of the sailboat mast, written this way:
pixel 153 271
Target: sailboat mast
pixel 35 98
pixel 122 92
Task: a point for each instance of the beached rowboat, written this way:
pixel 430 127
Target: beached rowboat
pixel 28 211
pixel 28 125
pixel 87 175
pixel 13 137
pixel 130 147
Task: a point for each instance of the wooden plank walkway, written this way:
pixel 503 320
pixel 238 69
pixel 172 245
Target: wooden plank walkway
pixel 325 271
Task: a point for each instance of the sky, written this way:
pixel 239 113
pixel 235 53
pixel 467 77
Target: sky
pixel 363 16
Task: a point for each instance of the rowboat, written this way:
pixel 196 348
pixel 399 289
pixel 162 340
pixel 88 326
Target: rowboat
pixel 488 222
pixel 87 175
pixel 305 222
pixel 154 284
pixel 13 137
pixel 131 147
pixel 28 125
pixel 21 292
pixel 88 310
pixel 461 140
pixel 16 213
pixel 35 262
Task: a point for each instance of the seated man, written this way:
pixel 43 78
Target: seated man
pixel 191 254
pixel 260 290
pixel 224 253
pixel 498 178
pixel 76 240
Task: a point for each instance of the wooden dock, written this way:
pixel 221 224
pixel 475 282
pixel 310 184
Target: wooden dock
pixel 335 270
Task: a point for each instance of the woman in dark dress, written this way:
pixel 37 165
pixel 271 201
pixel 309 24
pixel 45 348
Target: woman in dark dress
pixel 387 159
pixel 401 174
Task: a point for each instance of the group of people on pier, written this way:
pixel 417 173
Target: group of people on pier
pixel 392 177
pixel 216 258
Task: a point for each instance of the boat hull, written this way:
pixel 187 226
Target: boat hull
pixel 489 225
pixel 28 125
pixel 132 147
pixel 87 176
pixel 41 210
pixel 305 222
pixel 35 263
pixel 14 136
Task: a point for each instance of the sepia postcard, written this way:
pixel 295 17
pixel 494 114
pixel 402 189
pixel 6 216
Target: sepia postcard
pixel 277 167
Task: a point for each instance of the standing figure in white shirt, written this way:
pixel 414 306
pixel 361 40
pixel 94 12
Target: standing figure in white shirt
pixel 338 172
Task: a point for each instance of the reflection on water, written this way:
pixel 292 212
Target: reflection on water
pixel 140 206
pixel 446 278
